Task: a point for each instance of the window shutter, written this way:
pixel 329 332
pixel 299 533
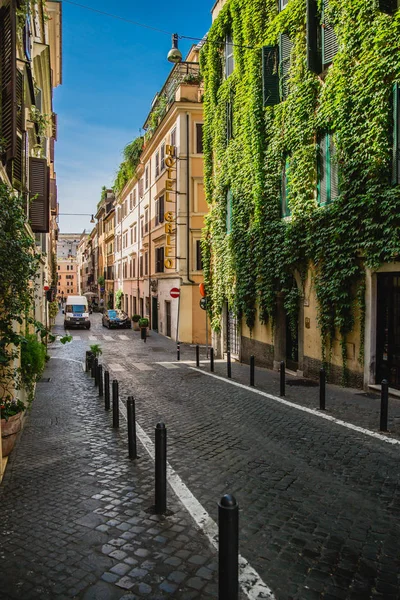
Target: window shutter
pixel 199 258
pixel 229 58
pixel 388 6
pixel 396 135
pixel 285 48
pixel 162 259
pixel 8 70
pixel 270 75
pixel 329 40
pixel 334 170
pixel 199 138
pixel 39 195
pixel 53 196
pixel 20 100
pixel 283 4
pixel 18 162
pixel 161 209
pixel 156 213
pixel 314 62
pixel 322 168
pixel 229 118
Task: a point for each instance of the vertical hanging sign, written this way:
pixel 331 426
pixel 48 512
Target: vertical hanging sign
pixel 169 216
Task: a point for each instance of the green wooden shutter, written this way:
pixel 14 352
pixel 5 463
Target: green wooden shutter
pixel 8 72
pixel 314 58
pixel 329 40
pixel 388 6
pixel 322 164
pixel 396 135
pixel 334 170
pixel 285 48
pixel 270 72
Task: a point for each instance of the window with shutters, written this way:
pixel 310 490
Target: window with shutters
pixel 157 159
pixel 199 138
pixel 141 191
pixel 146 264
pixel 396 135
pixel 133 267
pixel 329 40
pixel 146 220
pixel 229 57
pixel 285 49
pixel 159 260
pixel 328 173
pixel 134 198
pixel 314 57
pixel 270 73
pixel 39 210
pixel 162 164
pixel 285 189
pixel 173 137
pixel 135 233
pixel 283 4
pixel 156 213
pixel 9 86
pixel 147 178
pixel 199 257
pixel 141 227
pixel 229 212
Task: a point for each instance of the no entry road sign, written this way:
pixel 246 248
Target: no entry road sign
pixel 175 293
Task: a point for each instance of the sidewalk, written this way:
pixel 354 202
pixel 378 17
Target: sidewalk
pixel 74 509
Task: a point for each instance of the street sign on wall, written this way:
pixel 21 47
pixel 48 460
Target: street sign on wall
pixel 203 303
pixel 175 293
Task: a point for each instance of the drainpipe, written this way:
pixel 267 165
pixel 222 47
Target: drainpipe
pixel 188 200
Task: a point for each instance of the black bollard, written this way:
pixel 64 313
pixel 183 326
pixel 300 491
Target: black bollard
pixel 94 367
pixel 229 364
pixel 178 351
pixel 228 554
pixel 384 405
pixel 115 403
pixel 212 360
pixel 282 379
pixel 96 375
pixel 251 371
pixel 100 377
pixel 89 358
pixel 130 405
pixel 161 469
pixel 106 390
pixel 322 389
pixel 197 356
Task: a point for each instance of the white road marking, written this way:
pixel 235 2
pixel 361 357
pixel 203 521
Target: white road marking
pixel 202 362
pixel 252 584
pixel 76 337
pixel 108 338
pixel 168 365
pixel 92 338
pixel 116 367
pixel 143 366
pixel 123 337
pixel 311 411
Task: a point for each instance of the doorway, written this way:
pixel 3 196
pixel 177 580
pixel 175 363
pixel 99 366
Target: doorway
pixel 233 335
pixel 154 313
pixel 388 329
pixel 168 318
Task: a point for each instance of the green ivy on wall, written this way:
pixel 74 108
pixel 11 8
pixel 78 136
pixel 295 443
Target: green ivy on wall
pixel 360 228
pixel 128 166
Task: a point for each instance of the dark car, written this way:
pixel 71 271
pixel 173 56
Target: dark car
pixel 116 318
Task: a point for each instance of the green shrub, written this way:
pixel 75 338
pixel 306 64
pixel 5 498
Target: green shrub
pixel 33 360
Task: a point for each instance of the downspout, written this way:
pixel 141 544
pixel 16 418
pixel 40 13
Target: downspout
pixel 188 201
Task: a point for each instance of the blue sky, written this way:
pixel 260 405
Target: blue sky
pixel 111 72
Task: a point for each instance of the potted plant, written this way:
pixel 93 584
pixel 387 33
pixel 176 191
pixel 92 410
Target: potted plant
pixel 12 412
pixel 94 352
pixel 143 324
pixel 135 321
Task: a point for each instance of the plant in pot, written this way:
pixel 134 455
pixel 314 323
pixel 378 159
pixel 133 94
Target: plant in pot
pixel 11 411
pixel 135 321
pixel 143 324
pixel 94 352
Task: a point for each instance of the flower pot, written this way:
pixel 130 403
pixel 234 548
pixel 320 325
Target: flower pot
pixel 135 325
pixel 9 432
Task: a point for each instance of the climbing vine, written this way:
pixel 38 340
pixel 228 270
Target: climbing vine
pixel 360 228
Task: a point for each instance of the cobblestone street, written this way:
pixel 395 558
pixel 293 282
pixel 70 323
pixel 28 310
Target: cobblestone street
pixel 319 502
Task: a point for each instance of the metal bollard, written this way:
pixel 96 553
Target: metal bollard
pixel 197 356
pixel 100 377
pixel 322 389
pixel 251 371
pixel 94 367
pixel 160 469
pixel 282 379
pixel 130 405
pixel 115 403
pixel 178 351
pixel 88 355
pixel 212 360
pixel 96 375
pixel 106 390
pixel 229 364
pixel 384 405
pixel 228 554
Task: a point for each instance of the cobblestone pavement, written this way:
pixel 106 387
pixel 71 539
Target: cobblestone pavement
pixel 319 503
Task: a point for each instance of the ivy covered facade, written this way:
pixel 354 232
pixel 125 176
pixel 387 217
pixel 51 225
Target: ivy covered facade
pixel 301 247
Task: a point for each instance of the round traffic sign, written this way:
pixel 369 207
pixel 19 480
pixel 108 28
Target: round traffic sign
pixel 175 293
pixel 46 288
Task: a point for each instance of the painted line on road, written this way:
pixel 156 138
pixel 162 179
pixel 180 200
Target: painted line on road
pixel 123 337
pixel 76 337
pixel 116 367
pixel 69 360
pixel 92 338
pixel 143 367
pixel 168 365
pixel 311 411
pixel 108 338
pixel 252 584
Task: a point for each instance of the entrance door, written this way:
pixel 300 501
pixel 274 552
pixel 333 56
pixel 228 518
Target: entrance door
pixel 292 346
pixel 154 313
pixel 388 329
pixel 233 335
pixel 168 318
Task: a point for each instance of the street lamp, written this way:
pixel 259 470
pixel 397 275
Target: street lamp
pixel 174 55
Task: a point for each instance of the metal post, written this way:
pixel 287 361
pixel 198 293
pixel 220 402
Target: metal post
pixel 197 356
pixel 106 390
pixel 228 555
pixel 229 364
pixel 88 354
pixel 282 379
pixel 212 360
pixel 96 374
pixel 251 371
pixel 115 403
pixel 130 405
pixel 322 389
pixel 384 405
pixel 161 468
pixel 93 369
pixel 178 351
pixel 100 376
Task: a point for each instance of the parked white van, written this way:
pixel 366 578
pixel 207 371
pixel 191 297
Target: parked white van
pixel 76 312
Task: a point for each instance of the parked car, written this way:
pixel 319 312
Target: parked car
pixel 116 318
